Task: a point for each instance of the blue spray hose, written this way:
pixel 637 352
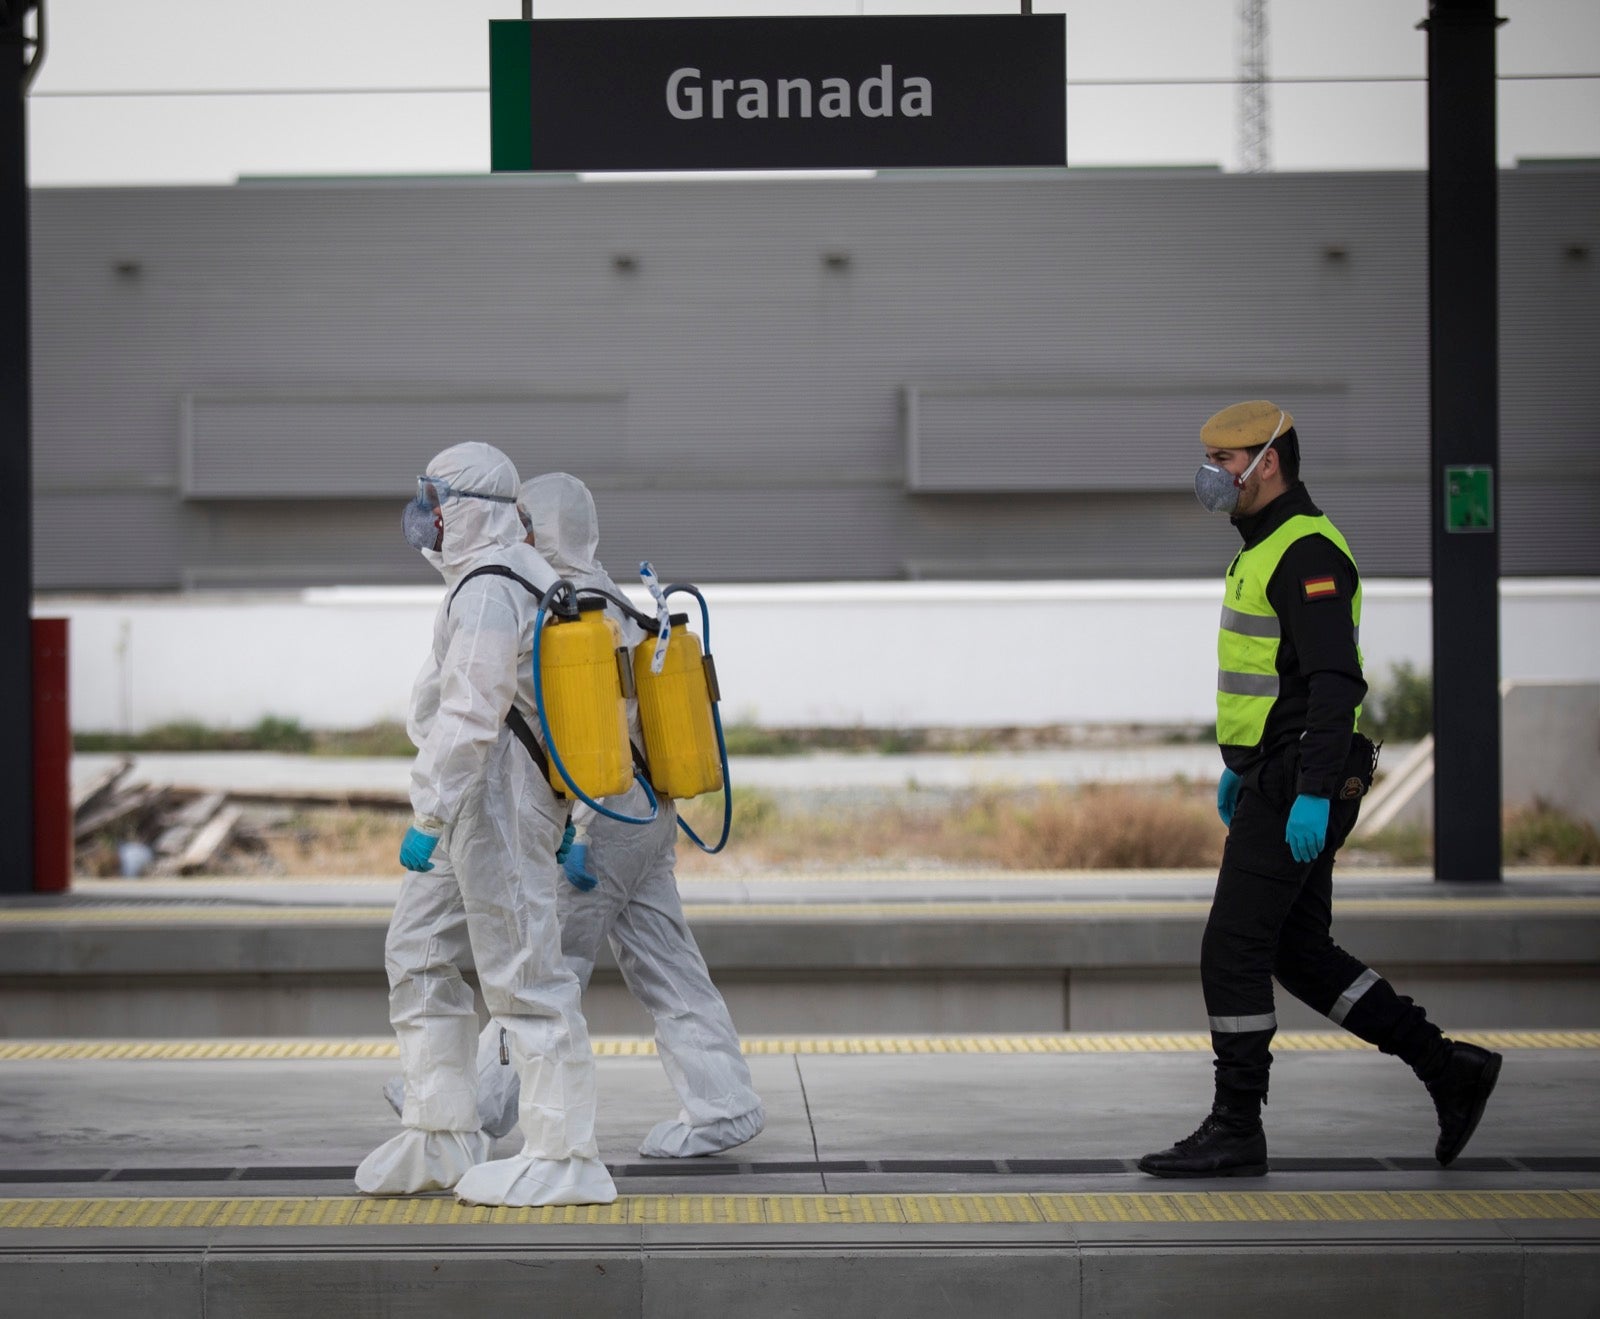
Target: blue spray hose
pixel 716 719
pixel 555 756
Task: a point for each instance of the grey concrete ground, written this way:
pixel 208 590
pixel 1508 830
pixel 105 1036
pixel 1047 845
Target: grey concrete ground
pixel 962 1108
pixel 124 1132
pixel 886 884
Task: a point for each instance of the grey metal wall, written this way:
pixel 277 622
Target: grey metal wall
pixel 912 375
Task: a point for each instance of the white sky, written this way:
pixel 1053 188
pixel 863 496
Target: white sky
pixel 315 46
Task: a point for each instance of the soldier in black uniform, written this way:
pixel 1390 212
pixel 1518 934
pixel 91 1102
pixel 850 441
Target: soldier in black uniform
pixel 1289 691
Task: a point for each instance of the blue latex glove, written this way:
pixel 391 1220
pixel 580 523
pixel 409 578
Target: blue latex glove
pixel 1308 827
pixel 1227 796
pixel 566 844
pixel 576 866
pixel 415 849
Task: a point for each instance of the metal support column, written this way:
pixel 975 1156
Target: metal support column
pixel 16 564
pixel 1464 390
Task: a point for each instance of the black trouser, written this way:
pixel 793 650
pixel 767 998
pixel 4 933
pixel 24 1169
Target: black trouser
pixel 1271 917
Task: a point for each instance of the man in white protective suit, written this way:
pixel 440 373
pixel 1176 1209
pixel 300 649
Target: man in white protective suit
pixel 483 876
pixel 623 888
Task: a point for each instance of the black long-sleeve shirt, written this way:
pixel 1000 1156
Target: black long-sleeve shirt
pixel 1319 669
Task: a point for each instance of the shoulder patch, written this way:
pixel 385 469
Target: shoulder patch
pixel 1320 588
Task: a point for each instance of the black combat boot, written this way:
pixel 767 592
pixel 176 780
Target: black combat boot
pixel 1229 1143
pixel 1460 1090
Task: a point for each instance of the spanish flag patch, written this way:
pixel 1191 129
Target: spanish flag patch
pixel 1320 588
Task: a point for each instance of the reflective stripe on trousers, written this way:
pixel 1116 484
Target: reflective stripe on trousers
pixel 1243 1025
pixel 1347 1000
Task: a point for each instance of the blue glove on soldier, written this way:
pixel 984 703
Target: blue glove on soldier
pixel 1227 796
pixel 415 849
pixel 576 866
pixel 566 844
pixel 1308 827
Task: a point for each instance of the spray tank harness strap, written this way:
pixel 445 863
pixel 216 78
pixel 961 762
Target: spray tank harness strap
pixel 496 570
pixel 523 732
pixel 645 621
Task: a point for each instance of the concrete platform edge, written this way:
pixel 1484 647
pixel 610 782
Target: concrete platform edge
pixel 1478 1270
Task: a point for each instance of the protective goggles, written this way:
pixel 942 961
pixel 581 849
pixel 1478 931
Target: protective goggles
pixel 435 491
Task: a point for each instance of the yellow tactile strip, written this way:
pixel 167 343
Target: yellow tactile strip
pixel 1132 907
pixel 261 1050
pixel 639 1210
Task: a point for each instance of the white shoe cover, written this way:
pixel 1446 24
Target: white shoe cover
pixel 678 1140
pixel 525 1180
pixel 418 1160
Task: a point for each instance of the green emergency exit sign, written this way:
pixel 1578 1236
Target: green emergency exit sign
pixel 1469 499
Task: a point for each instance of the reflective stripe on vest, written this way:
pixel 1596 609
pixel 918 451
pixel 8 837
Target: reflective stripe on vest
pixel 1250 632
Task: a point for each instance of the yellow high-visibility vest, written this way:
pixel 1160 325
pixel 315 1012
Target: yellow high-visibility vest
pixel 1250 633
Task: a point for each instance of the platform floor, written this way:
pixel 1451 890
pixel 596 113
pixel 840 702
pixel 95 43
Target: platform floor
pixel 907 1174
pixel 895 1176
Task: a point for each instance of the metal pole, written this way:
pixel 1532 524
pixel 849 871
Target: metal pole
pixel 1463 368
pixel 16 566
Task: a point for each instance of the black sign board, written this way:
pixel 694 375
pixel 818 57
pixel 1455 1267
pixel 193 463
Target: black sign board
pixel 778 93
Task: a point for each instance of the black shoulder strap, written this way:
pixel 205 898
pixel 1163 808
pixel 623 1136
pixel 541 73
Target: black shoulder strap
pixel 524 734
pixel 495 570
pixel 514 720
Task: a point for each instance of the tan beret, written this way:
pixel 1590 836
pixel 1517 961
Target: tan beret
pixel 1245 425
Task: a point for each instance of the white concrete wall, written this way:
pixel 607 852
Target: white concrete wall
pixel 905 654
pixel 1551 747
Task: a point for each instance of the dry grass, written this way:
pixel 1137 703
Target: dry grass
pixel 1098 827
pixel 330 841
pixel 1541 835
pixel 1110 829
pixel 1089 828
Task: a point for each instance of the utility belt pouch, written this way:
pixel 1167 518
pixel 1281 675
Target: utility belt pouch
pixel 1360 766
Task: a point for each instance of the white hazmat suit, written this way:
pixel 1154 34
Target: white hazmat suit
pixel 492 890
pixel 636 906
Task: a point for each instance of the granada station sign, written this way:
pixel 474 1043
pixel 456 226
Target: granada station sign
pixel 588 95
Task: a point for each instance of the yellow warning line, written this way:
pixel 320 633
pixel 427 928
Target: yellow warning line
pixel 867 1045
pixel 1133 908
pixel 798 1210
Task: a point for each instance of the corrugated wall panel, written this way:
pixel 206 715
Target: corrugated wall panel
pixel 354 443
pixel 1549 375
pixel 1064 438
pixel 763 335
pixel 109 540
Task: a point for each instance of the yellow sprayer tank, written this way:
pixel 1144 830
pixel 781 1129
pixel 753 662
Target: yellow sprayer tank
pixel 581 673
pixel 680 740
